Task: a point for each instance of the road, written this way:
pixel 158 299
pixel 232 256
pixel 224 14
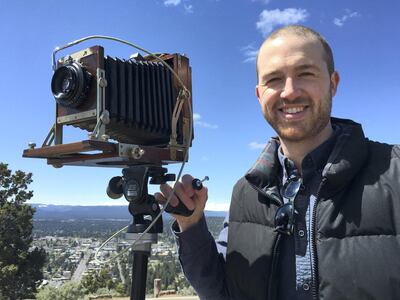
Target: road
pixel 81 268
pixel 121 275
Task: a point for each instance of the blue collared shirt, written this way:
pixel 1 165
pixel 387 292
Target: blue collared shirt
pixel 300 244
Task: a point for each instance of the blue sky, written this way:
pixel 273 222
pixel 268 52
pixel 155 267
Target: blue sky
pixel 221 39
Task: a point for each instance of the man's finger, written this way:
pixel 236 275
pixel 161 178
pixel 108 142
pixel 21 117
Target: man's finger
pixel 160 198
pixel 187 183
pixel 167 191
pixel 201 195
pixel 183 196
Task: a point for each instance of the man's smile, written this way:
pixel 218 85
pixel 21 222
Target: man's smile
pixel 293 112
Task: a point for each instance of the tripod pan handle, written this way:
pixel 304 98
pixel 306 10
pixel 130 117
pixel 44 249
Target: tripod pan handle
pixel 180 209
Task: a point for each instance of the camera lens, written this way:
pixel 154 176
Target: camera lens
pixel 66 85
pixel 70 84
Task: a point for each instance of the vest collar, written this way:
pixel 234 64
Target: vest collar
pixel 347 157
pixel 345 161
pixel 266 169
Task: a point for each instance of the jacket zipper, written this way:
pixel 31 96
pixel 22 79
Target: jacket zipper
pixel 314 257
pixel 274 263
pixel 279 202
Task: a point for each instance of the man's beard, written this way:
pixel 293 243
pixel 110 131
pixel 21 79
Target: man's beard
pixel 297 131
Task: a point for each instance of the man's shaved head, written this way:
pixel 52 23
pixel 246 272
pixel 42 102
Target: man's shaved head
pixel 306 33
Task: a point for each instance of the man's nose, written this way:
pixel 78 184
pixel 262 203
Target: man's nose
pixel 290 91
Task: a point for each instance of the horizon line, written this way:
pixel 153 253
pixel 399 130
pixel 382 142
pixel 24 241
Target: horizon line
pixel 210 207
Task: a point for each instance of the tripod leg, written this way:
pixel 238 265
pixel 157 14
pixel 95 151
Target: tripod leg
pixel 139 274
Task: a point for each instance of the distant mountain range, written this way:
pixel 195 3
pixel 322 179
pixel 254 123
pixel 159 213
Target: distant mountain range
pixel 66 212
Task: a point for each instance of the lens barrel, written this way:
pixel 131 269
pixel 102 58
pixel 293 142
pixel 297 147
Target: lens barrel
pixel 70 84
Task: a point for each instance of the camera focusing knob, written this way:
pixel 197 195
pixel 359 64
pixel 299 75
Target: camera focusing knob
pixel 102 82
pixel 69 59
pixel 105 117
pixel 137 152
pixel 105 137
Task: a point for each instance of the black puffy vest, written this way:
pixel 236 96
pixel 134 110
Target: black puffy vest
pixel 357 241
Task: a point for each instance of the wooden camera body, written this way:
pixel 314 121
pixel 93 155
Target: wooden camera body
pixel 135 111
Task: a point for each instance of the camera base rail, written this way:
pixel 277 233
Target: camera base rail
pixel 95 153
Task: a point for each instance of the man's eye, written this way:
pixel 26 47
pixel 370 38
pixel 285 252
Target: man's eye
pixel 273 80
pixel 306 74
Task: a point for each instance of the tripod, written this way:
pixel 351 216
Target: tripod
pixel 133 185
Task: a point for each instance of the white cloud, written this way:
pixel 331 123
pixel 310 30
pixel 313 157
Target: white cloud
pixel 269 19
pixel 196 117
pixel 198 122
pixel 172 2
pixel 256 145
pixel 348 15
pixel 217 206
pixel 206 125
pixel 188 8
pixel 263 1
pixel 250 53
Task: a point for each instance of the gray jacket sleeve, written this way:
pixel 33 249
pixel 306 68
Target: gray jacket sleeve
pixel 201 261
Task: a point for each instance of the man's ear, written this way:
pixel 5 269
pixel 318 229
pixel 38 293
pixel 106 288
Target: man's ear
pixel 335 79
pixel 257 92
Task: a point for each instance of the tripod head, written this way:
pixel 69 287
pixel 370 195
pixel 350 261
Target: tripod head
pixel 133 184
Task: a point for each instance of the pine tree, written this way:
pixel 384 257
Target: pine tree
pixel 97 280
pixel 20 264
pixel 68 291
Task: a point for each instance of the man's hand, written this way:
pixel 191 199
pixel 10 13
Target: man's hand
pixel 193 199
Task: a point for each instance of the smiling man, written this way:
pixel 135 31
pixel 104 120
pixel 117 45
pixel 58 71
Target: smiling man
pixel 318 215
pixel 296 83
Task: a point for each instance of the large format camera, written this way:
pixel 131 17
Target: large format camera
pixel 138 113
pixel 136 110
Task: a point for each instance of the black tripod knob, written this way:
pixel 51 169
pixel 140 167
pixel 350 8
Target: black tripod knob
pixel 161 179
pixel 115 187
pixel 197 184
